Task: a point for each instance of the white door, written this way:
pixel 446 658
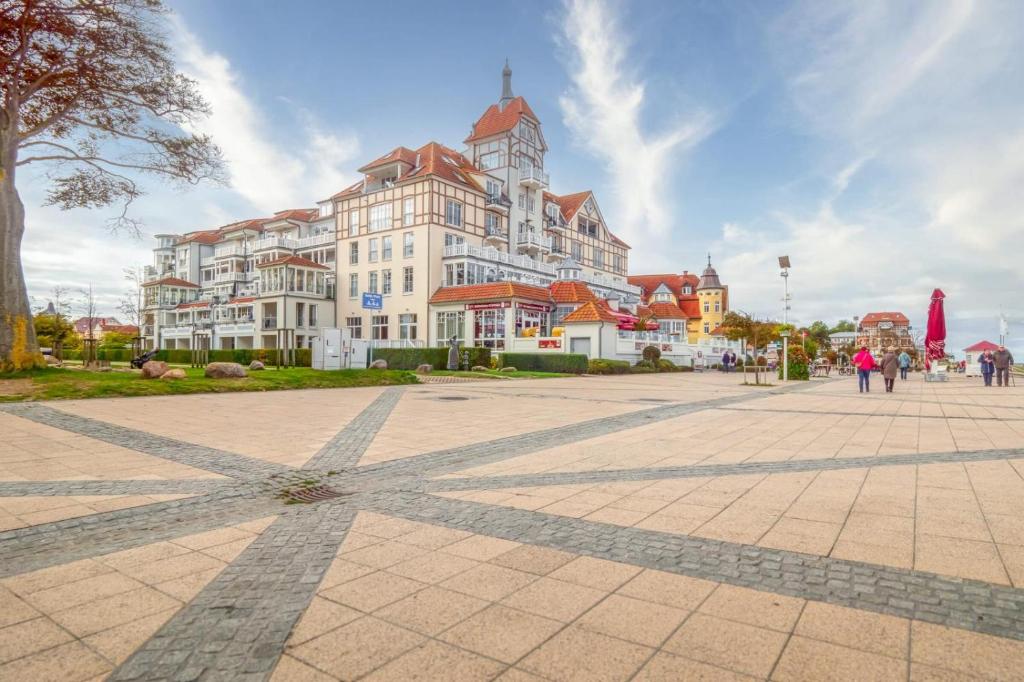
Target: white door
pixel 580 345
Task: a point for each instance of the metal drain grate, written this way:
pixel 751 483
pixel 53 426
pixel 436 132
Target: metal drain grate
pixel 315 493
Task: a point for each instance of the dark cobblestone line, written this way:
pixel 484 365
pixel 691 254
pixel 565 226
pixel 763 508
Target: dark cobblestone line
pixel 29 549
pixel 349 444
pixel 958 603
pixel 198 456
pixel 118 487
pixel 866 414
pixel 711 470
pixel 477 454
pixel 236 627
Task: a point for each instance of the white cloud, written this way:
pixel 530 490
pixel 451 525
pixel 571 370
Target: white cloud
pixel 603 111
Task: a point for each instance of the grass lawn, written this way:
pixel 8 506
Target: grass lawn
pixel 64 384
pixel 495 374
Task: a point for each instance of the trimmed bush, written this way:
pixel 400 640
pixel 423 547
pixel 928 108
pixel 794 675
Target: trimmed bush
pixel 643 367
pixel 411 358
pixel 798 364
pixel 665 365
pixel 651 353
pixel 571 363
pixel 602 366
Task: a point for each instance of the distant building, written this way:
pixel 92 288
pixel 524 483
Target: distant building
pixel 837 340
pixel 878 331
pixel 973 353
pixel 93 327
pixel 686 305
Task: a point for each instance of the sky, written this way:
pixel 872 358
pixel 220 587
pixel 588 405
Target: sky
pixel 878 144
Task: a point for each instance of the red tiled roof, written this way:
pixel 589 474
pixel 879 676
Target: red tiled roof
pixel 571 203
pixel 171 282
pixel 120 328
pixel 242 299
pixel 643 311
pixel 690 307
pixel 403 154
pixel 983 345
pixel 568 291
pixel 490 291
pixel 82 324
pixel 203 237
pixel 497 120
pixel 438 160
pixel 667 311
pixel 674 283
pixel 872 319
pixel 354 188
pixel 591 312
pixel 293 260
pixel 194 304
pixel 303 214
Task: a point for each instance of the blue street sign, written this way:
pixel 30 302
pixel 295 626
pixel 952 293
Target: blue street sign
pixel 372 301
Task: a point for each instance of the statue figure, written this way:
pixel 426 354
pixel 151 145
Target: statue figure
pixel 453 353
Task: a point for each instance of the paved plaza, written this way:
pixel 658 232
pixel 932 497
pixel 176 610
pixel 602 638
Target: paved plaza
pixel 644 527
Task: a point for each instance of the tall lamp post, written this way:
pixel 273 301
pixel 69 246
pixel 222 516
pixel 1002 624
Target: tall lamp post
pixel 784 264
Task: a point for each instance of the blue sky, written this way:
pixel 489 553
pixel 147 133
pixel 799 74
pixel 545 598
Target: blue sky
pixel 880 144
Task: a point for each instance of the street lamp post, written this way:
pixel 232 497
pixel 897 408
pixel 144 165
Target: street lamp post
pixel 785 354
pixel 784 264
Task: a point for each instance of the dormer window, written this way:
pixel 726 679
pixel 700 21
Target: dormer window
pixel 687 289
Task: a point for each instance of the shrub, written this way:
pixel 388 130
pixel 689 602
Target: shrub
pixel 602 366
pixel 643 367
pixel 665 365
pixel 762 361
pixel 411 358
pixel 651 353
pixel 571 363
pixel 797 361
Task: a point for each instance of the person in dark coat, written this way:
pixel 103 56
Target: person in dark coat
pixel 1004 363
pixel 890 367
pixel 988 366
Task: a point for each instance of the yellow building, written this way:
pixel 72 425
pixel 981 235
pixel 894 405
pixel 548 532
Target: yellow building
pixel 699 304
pixel 713 299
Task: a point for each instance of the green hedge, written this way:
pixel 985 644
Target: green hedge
pixel 602 366
pixel 571 363
pixel 411 358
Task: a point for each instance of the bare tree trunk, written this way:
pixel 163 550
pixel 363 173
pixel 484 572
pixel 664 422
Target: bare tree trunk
pixel 18 347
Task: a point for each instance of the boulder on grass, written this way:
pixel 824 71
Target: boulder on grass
pixel 225 370
pixel 424 369
pixel 379 364
pixel 480 368
pixel 174 374
pixel 508 369
pixel 256 365
pixel 154 369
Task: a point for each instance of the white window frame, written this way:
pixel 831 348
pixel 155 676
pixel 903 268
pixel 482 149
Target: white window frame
pixel 408 279
pixel 380 217
pixel 408 211
pixel 385 282
pixel 407 327
pixel 408 244
pixel 453 213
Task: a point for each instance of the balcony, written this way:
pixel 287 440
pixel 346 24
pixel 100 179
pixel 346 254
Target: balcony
pixel 324 239
pixel 532 243
pixel 495 235
pixel 274 243
pixel 205 261
pixel 223 277
pixel 498 202
pixel 557 253
pixel 228 251
pixel 147 330
pixel 269 323
pixel 500 257
pixel 534 178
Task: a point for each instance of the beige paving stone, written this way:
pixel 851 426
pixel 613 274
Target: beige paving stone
pixel 435 661
pixel 578 654
pixel 342 571
pixel 599 574
pixel 372 591
pixel 961 558
pixel 669 589
pixel 554 599
pixel 357 648
pixel 920 672
pixel 161 571
pixel 228 552
pixel 69 662
pixel 53 576
pixel 384 554
pixel 533 559
pixel 517 675
pixel 211 538
pixel 501 633
pixel 618 517
pixel 666 667
pixel 489 582
pixel 433 567
pixel 761 609
pixel 142 555
pixel 290 669
pixel 321 616
pixel 969 653
pixel 808 659
pixel 109 612
pixel 83 591
pixel 480 547
pixel 355 540
pixel 119 642
pixel 28 637
pixel 727 644
pixel 642 622
pixel 432 610
pixel 873 632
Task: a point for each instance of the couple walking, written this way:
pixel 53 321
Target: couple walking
pixel 998 363
pixel 891 363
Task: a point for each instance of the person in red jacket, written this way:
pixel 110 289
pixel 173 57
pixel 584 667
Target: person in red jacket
pixel 864 362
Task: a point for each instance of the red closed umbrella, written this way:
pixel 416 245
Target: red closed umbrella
pixel 935 338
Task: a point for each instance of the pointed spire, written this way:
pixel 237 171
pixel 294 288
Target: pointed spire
pixel 506 86
pixel 709 259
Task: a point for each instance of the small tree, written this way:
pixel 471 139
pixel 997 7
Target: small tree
pixel 130 305
pixel 88 307
pixel 738 326
pixel 116 340
pixel 88 88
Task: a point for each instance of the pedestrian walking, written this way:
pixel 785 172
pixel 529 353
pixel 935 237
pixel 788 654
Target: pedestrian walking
pixel 1004 361
pixel 732 361
pixel 904 364
pixel 725 361
pixel 890 364
pixel 864 362
pixel 988 367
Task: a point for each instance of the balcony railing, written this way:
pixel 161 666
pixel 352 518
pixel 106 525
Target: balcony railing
pixel 316 240
pixel 496 256
pixel 498 201
pixel 232 277
pixel 496 233
pixel 226 251
pixel 269 323
pixel 533 240
pixel 533 176
pixel 274 243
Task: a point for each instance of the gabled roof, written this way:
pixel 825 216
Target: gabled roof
pixel 490 291
pixel 982 346
pixel 120 328
pixel 675 283
pixel 82 324
pixel 497 120
pixel 302 214
pixel 570 204
pixel 872 319
pixel 667 311
pixel 202 237
pixel 591 312
pixel 434 159
pixel 400 154
pixel 571 291
pixel 171 282
pixel 293 260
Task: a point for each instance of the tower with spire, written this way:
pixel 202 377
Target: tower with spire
pixel 506 87
pixel 713 299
